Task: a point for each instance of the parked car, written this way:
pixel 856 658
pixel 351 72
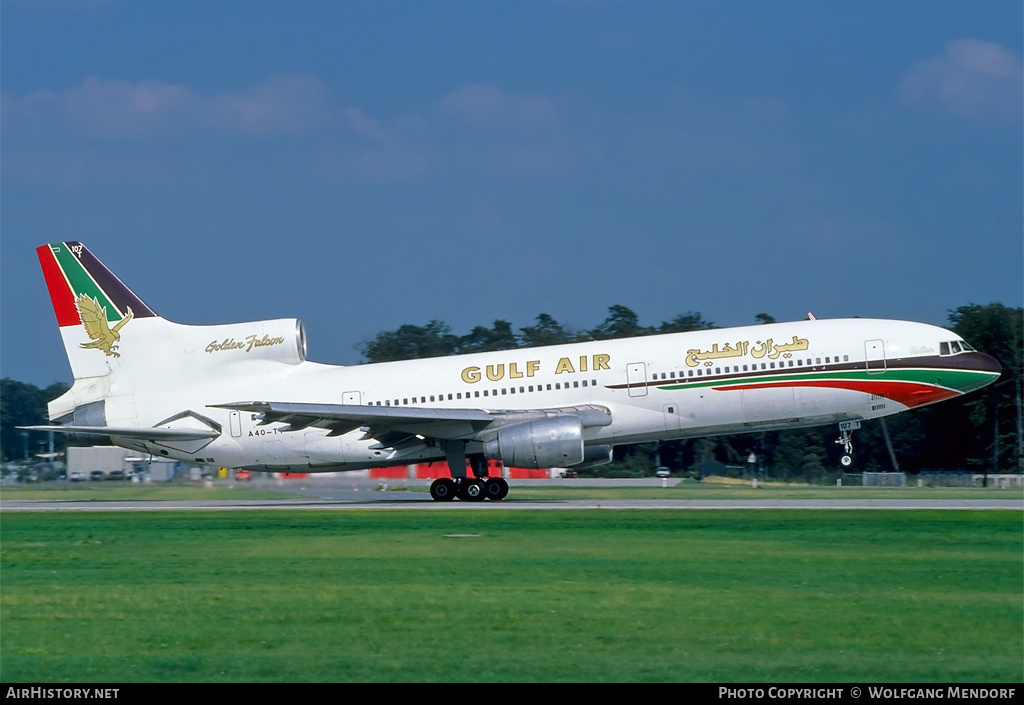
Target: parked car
pixel 116 475
pixel 663 472
pixel 97 475
pixel 77 476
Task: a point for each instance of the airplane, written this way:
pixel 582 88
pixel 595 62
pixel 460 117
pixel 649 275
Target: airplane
pixel 244 395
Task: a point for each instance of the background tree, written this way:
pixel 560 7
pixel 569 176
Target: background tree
pixel 411 342
pixel 547 331
pixel 23 404
pixel 996 411
pixel 620 323
pixel 481 339
pixel 686 322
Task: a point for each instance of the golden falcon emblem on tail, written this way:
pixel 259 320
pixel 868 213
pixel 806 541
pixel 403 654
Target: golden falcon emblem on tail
pixel 94 319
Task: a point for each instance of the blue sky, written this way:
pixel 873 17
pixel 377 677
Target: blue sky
pixel 361 165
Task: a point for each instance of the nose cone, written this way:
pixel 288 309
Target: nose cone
pixel 990 364
pixel 974 370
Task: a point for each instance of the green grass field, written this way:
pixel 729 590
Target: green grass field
pixel 585 595
pixel 123 492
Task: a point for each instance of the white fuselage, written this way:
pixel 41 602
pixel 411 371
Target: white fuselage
pixel 662 387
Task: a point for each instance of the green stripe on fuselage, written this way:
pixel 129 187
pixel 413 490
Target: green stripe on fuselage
pixel 82 283
pixel 962 381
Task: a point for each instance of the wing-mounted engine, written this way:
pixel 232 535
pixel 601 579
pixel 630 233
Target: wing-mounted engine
pixel 545 443
pixel 594 456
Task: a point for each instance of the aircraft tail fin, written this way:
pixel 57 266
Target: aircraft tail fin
pixel 91 303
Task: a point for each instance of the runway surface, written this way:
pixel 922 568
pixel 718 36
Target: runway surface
pixel 361 493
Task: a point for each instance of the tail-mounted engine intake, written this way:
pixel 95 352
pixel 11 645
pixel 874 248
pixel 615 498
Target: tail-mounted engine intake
pixel 282 340
pixel 544 443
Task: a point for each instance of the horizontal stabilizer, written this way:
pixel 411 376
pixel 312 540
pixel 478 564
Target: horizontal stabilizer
pixel 143 434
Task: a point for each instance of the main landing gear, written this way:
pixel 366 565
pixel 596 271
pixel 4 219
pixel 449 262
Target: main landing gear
pixel 468 489
pixel 846 429
pixel 445 489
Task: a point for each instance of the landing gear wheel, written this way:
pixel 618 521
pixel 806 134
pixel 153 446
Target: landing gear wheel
pixel 472 490
pixel 846 461
pixel 442 490
pixel 496 489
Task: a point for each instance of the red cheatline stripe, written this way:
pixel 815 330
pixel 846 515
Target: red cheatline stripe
pixel 60 291
pixel 906 393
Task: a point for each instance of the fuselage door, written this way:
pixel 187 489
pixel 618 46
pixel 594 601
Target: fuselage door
pixel 671 416
pixel 350 398
pixel 874 356
pixel 636 379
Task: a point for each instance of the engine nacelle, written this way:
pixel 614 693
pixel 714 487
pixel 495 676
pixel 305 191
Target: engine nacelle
pixel 545 443
pixel 594 456
pixel 282 340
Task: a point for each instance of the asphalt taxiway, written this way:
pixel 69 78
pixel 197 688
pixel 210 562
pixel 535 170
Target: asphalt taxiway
pixel 362 493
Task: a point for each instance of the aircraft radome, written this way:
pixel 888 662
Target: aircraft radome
pixel 244 396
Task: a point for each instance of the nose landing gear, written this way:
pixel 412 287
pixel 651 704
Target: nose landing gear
pixel 846 429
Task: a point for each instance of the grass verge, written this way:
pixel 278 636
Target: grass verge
pixel 522 596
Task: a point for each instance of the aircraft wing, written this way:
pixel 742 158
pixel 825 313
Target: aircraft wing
pixel 397 427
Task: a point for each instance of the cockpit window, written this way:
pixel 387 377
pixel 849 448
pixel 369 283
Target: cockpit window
pixel 954 347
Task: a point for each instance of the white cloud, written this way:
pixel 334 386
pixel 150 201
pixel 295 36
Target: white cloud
pixel 490 108
pixel 110 109
pixel 368 127
pixel 972 78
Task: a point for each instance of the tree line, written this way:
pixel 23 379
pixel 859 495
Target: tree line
pixel 981 432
